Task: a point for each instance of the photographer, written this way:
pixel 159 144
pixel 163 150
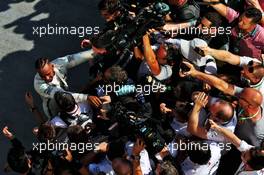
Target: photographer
pixel 203 159
pixel 114 13
pixel 125 159
pixel 249 108
pixel 219 110
pixel 26 163
pixel 123 38
pixel 45 130
pixel 247 38
pixel 184 13
pixel 155 64
pixel 252 157
pixel 210 28
pixel 191 51
pixel 252 67
pixel 178 117
pixel 109 151
pixel 71 113
pixel 211 25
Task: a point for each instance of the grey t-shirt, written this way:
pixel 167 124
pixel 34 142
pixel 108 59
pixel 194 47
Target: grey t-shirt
pixel 252 133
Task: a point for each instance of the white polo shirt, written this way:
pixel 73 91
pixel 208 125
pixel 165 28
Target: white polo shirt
pixel 244 146
pixel 144 158
pixel 215 136
pixel 208 62
pixel 86 111
pixel 190 168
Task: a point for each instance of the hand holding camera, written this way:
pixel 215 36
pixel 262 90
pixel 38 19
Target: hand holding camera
pixel 186 69
pixel 199 51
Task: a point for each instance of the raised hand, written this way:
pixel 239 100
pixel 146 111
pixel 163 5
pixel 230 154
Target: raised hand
pixel 94 101
pixel 201 100
pixel 7 133
pixel 190 72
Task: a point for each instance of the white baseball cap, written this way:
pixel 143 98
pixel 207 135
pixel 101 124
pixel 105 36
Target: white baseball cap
pixel 187 48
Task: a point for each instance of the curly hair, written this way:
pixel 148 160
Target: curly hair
pixel 46 132
pixel 118 75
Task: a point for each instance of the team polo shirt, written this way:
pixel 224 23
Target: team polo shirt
pixel 251 45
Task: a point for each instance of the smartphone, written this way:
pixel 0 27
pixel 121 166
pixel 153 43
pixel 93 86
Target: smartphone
pixel 199 51
pixel 184 68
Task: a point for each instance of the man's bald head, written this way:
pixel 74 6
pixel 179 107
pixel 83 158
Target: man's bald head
pixel 252 96
pixel 222 110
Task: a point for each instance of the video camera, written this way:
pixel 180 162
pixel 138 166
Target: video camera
pixel 122 39
pixel 137 125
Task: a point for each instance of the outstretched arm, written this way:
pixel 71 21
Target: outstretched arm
pixel 48 91
pixel 10 136
pixel 210 79
pixel 150 56
pixel 193 123
pixel 219 7
pixel 137 148
pixel 34 109
pixel 76 59
pixel 222 55
pixel 230 136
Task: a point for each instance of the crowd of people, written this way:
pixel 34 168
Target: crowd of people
pixel 187 100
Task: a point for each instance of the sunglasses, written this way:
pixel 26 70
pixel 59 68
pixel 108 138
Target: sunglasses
pixel 250 66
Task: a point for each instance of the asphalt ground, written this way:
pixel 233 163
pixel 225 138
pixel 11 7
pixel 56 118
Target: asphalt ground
pixel 21 44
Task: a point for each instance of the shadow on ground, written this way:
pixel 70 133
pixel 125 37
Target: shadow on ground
pixel 17 68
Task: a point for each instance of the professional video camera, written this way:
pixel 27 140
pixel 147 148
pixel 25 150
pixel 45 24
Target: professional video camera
pixel 135 124
pixel 122 39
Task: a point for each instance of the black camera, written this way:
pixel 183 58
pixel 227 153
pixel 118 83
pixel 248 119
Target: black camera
pixel 184 68
pixel 152 138
pixel 135 124
pixel 199 51
pixel 122 39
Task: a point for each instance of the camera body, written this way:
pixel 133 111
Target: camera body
pixel 135 125
pixel 151 136
pixel 199 51
pixel 123 38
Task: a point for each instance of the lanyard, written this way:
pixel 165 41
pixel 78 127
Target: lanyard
pixel 247 118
